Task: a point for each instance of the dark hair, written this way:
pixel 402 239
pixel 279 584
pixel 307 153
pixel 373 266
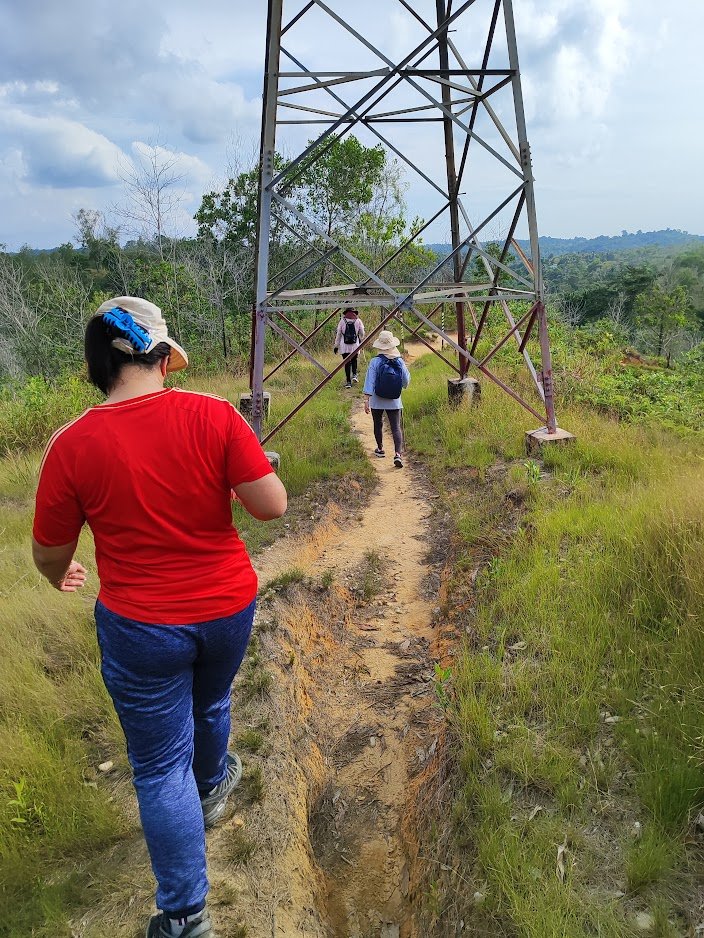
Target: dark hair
pixel 105 362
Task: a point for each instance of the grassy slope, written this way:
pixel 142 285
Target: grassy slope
pixel 56 720
pixel 578 696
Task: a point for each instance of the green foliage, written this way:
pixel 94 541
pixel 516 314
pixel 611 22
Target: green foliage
pixel 649 859
pixel 239 848
pixel 665 315
pixel 372 581
pixel 250 740
pixel 279 584
pixel 56 725
pixel 338 179
pixel 30 412
pixel 591 367
pixel 229 217
pixel 441 684
pixel 494 249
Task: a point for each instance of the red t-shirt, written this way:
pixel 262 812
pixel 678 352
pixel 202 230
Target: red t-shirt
pixel 153 476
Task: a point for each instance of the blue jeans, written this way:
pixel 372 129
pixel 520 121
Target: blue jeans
pixel 170 685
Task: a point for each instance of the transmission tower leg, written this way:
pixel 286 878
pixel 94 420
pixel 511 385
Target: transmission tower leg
pixel 524 149
pixel 442 15
pixel 266 175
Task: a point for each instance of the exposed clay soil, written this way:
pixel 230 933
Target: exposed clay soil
pixel 320 841
pixel 353 722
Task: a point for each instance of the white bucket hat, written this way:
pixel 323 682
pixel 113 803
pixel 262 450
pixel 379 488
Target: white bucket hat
pixel 149 317
pixel 387 343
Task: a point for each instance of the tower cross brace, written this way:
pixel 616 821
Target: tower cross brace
pixel 475 95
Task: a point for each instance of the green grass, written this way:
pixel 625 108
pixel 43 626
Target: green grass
pixel 251 789
pixel 56 726
pixel 56 720
pixel 588 603
pixel 650 859
pixel 279 584
pixel 371 580
pixel 239 848
pixel 250 740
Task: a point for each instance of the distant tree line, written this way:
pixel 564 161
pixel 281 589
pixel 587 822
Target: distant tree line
pixel 355 194
pixel 657 306
pixel 205 284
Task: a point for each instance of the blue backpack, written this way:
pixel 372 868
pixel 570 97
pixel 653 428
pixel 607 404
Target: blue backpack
pixel 389 378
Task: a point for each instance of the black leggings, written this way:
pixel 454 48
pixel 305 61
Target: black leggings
pixel 350 365
pixel 395 424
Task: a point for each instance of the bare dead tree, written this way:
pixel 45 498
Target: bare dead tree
pixel 616 309
pixel 569 312
pixel 19 319
pixel 92 227
pixel 222 276
pixel 153 195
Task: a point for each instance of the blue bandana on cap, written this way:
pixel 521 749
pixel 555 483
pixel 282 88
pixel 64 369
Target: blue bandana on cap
pixel 136 335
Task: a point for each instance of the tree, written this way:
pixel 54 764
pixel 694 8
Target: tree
pixel 665 318
pixel 153 194
pixel 229 217
pixel 381 227
pixel 339 179
pixel 348 190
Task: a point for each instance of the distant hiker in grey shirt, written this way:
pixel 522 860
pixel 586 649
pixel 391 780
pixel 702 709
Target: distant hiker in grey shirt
pixel 386 378
pixel 349 335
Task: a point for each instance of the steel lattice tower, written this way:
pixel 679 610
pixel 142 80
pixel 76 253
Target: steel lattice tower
pixel 451 67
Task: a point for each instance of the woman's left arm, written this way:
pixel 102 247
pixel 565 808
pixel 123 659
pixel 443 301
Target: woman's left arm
pixel 58 566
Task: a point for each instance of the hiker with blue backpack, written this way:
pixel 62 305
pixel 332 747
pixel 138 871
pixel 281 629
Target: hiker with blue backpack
pixel 386 378
pixel 349 336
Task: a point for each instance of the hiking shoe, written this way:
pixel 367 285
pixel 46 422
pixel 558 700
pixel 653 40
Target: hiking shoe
pixel 397 461
pixel 349 384
pixel 379 452
pixel 160 927
pixel 355 379
pixel 213 804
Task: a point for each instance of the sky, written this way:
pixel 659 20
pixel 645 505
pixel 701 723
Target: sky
pixel 613 93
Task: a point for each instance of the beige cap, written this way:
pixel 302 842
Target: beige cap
pixel 149 316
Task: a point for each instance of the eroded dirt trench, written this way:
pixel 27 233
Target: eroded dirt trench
pixel 351 722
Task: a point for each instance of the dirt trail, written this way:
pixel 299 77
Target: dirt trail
pixel 352 857
pixel 353 724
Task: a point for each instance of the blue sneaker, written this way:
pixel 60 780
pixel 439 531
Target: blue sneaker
pixel 215 801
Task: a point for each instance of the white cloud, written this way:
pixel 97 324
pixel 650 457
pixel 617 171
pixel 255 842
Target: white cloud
pixel 59 152
pixel 571 56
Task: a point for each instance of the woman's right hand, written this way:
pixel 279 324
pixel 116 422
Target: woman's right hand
pixel 367 408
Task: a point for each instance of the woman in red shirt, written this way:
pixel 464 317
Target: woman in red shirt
pixel 151 471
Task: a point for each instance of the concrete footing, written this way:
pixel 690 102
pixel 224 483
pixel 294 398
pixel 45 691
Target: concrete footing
pixel 463 391
pixel 244 405
pixel 537 439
